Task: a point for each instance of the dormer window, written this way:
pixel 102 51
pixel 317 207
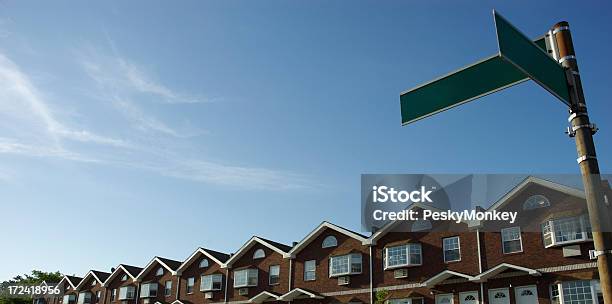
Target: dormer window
pixel 329 241
pixel 259 254
pixel 160 271
pixel 124 278
pixel 535 202
pixel 93 282
pixel 204 263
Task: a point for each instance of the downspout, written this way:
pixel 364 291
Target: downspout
pixel 178 286
pixel 371 276
pixel 226 282
pixel 482 295
pixel 137 292
pixel 290 275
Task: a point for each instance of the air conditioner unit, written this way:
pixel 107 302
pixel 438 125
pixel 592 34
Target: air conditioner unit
pixel 209 295
pixel 400 273
pixel 243 291
pixel 592 255
pixel 345 280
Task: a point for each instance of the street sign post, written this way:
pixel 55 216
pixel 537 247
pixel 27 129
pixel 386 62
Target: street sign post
pixel 520 59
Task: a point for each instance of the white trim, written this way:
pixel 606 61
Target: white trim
pixel 517 288
pixel 470 292
pixel 443 275
pixel 259 295
pixel 177 301
pixel 539 181
pixel 289 295
pixel 520 239
pixel 146 269
pixel 113 275
pixel 193 257
pixel 452 297
pixel 317 231
pixel 458 248
pixel 505 289
pixel 387 227
pixel 483 277
pixel 65 277
pixel 248 245
pixel 90 273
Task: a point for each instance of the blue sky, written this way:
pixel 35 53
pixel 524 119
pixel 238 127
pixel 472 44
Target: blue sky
pixel 129 130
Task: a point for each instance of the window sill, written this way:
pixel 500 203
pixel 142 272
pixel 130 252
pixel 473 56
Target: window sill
pixel 402 266
pixel 565 243
pixel 513 253
pixel 452 262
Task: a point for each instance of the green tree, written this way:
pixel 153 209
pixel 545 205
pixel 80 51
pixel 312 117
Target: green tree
pixel 381 296
pixel 36 277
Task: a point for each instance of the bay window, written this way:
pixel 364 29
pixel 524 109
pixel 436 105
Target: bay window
pixel 345 264
pixel 126 293
pixel 211 282
pixel 148 290
pixel 403 255
pixel 566 231
pixel 245 278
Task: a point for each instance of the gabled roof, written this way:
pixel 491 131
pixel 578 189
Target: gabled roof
pixel 443 275
pixel 483 277
pixel 263 297
pixel 170 265
pixel 131 271
pixel 99 276
pixel 72 281
pixel 217 257
pixel 317 231
pixel 389 226
pixel 282 249
pixel 299 293
pixel 538 181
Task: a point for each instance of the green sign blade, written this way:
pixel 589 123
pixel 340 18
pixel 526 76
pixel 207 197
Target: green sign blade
pixel 464 85
pixel 517 49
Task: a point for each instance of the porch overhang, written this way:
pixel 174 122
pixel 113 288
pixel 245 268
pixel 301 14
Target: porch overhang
pixel 491 273
pixel 264 296
pixel 299 293
pixel 444 275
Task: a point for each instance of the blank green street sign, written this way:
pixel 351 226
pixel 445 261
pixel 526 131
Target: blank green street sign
pixel 532 60
pixel 505 69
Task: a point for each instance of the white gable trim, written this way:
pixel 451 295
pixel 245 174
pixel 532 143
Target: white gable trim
pixel 535 180
pixel 194 256
pixel 114 274
pixel 296 292
pixel 317 231
pixel 150 265
pixel 483 277
pixel 262 297
pixel 386 228
pixel 90 273
pixel 250 243
pixel 177 302
pixel 443 275
pixel 65 277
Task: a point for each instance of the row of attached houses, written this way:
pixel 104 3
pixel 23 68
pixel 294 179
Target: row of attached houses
pixel 431 264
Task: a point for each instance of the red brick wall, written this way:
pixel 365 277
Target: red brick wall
pixel 196 272
pixel 116 283
pixel 323 282
pixel 167 276
pixel 247 261
pixel 87 287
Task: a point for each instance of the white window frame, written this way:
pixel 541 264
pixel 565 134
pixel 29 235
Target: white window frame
pixel 159 272
pixel 444 249
pixel 277 275
pixel 124 277
pixel 113 295
pixel 549 231
pixel 313 270
pixel 189 283
pixel 250 273
pixel 520 239
pixel 69 298
pixel 167 291
pixel 214 278
pixel 259 254
pixel 329 241
pixel 147 287
pixel 204 263
pixel 529 202
pixel 561 294
pixel 130 291
pixel 407 249
pixel 351 257
pixel 85 297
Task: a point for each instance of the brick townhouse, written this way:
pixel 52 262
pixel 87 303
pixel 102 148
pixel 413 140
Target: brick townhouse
pixel 543 258
pixel 91 288
pixel 121 285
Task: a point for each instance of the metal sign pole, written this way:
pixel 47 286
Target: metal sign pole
pixel 582 130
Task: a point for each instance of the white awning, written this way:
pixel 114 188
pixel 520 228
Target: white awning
pixel 483 277
pixel 446 274
pixel 263 297
pixel 298 293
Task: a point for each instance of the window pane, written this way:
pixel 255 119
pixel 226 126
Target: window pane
pixel 397 255
pixel 310 270
pixel 451 249
pixel 577 292
pixel 339 264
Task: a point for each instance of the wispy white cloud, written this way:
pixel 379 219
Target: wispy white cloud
pixel 30 128
pixel 21 99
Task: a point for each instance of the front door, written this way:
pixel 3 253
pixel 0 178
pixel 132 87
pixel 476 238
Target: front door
pixel 469 297
pixel 499 296
pixel 446 298
pixel 526 294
